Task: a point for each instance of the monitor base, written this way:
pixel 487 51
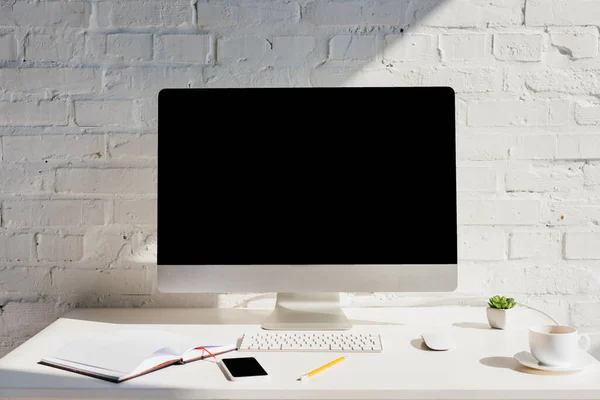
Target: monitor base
pixel 307 312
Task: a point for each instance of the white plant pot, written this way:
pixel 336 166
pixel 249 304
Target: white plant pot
pixel 498 319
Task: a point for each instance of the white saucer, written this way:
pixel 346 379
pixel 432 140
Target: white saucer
pixel 581 360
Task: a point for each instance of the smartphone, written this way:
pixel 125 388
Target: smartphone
pixel 243 369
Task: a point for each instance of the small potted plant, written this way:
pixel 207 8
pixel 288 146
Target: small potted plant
pixel 497 311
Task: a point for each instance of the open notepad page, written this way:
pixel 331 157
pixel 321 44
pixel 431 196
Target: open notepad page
pixel 128 353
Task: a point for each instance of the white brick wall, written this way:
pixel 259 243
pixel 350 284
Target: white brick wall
pixel 293 48
pixel 52 147
pixel 561 178
pixel 557 12
pixel 518 47
pixel 183 48
pixel 587 112
pixel 21 179
pixel 499 212
pixel 582 246
pixel 104 113
pixel 576 43
pixel 482 243
pixel 352 47
pixel 476 179
pixel 110 180
pixel 535 147
pixel 535 245
pixel 52 13
pixel 141 211
pixel 489 113
pixel 39 80
pixel 8 46
pixel 56 212
pixel 126 146
pixel 15 247
pixel 59 248
pixel 33 113
pixel 130 47
pixel 480 147
pixel 237 49
pixel 51 47
pixel 578 146
pixel 469 13
pixel 410 47
pixel 78 113
pixel 467 46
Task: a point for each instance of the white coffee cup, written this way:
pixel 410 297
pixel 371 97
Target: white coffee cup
pixel 556 345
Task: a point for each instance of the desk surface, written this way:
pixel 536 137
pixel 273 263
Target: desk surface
pixel 480 367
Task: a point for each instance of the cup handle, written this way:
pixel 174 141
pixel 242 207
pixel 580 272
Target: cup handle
pixel 584 341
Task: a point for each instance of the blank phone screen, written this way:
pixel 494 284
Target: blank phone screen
pixel 244 366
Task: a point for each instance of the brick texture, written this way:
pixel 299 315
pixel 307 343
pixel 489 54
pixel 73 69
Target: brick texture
pixel 59 248
pixel 582 246
pixel 8 47
pixel 52 147
pixel 130 47
pixel 39 80
pixel 111 180
pixel 17 247
pixel 414 47
pixel 52 13
pixel 57 212
pixel 346 47
pixel 577 43
pixel 482 243
pixel 182 48
pixel 557 12
pixel 518 47
pixel 104 113
pixel 52 47
pixel 469 46
pixel 44 113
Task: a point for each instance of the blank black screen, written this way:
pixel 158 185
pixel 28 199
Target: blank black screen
pixel 306 176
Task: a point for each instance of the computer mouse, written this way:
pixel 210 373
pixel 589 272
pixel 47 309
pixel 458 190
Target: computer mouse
pixel 438 340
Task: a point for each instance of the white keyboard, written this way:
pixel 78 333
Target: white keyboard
pixel 312 341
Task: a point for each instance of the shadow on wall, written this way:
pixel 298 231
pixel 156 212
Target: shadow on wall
pixel 595 352
pixel 376 44
pixel 390 48
pixel 358 43
pixel 384 37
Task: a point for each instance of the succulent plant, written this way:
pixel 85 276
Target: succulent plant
pixel 501 302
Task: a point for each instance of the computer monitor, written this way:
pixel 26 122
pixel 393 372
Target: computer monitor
pixel 307 192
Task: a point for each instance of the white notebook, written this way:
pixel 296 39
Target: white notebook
pixel 126 354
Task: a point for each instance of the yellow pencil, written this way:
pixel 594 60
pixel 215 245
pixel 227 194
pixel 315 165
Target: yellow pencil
pixel 322 368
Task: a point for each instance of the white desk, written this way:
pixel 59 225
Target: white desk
pixel 481 367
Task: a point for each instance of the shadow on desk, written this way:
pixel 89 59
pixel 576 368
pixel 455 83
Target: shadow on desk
pixel 40 381
pixel 380 323
pixel 183 316
pixel 169 316
pixel 512 364
pixel 419 344
pixel 48 380
pixel 472 325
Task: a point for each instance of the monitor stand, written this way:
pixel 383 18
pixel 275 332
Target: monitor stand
pixel 307 311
